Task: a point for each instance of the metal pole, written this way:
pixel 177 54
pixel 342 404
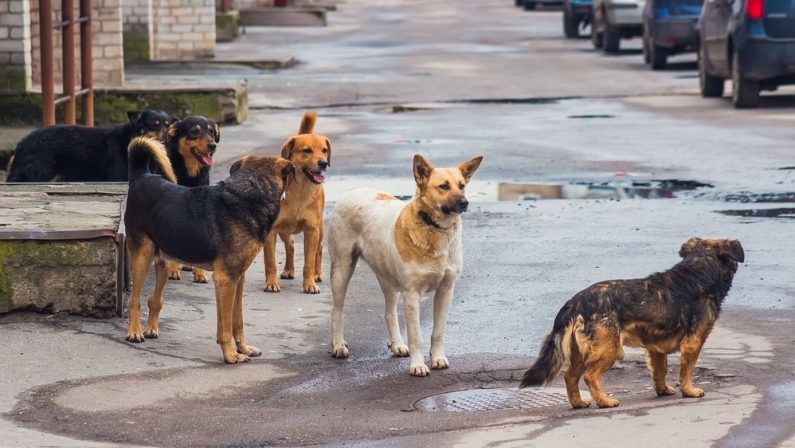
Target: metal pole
pixel 47 82
pixel 68 41
pixel 87 63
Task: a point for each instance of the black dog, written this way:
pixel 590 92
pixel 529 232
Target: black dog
pixel 191 145
pixel 220 227
pixel 82 154
pixel 665 312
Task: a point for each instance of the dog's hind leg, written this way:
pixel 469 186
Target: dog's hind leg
pixel 658 364
pixel 411 312
pixel 572 378
pixel 605 347
pixel 689 349
pixel 441 306
pixel 237 323
pixel 173 271
pixel 141 254
pixel 319 257
pixel 152 328
pixel 395 343
pixel 343 263
pixel 289 258
pixel 269 254
pixel 225 297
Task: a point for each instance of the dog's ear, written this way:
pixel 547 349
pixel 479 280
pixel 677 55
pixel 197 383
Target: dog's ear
pixel 328 154
pixel 172 130
pixel 217 132
pixel 733 250
pixel 689 246
pixel 239 164
pixel 469 167
pixel 422 170
pixel 134 115
pixel 287 148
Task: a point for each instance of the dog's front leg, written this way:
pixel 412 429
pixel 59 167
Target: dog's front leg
pixel 225 293
pixel 311 241
pixel 689 349
pixel 237 322
pixel 441 306
pixel 411 312
pixel 269 254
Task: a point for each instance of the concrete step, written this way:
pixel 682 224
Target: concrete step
pixel 289 16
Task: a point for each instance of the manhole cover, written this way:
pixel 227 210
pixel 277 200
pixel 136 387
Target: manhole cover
pixel 493 400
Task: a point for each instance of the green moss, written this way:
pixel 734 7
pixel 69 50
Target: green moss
pixel 20 109
pixel 6 288
pixel 227 25
pixel 12 79
pixel 136 47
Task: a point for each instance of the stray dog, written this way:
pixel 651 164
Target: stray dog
pixel 664 312
pixel 413 248
pixel 302 208
pixel 219 228
pixel 191 147
pixel 84 154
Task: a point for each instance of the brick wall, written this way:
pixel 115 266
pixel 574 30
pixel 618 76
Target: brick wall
pixel 107 43
pixel 14 46
pixel 183 29
pixel 137 18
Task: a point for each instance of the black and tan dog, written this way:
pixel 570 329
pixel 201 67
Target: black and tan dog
pixel 84 154
pixel 665 312
pixel 191 146
pixel 302 207
pixel 220 228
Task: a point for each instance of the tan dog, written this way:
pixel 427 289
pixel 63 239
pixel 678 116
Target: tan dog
pixel 302 207
pixel 413 248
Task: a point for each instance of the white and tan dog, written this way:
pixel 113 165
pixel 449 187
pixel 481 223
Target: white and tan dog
pixel 413 248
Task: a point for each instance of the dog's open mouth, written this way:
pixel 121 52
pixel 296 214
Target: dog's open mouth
pixel 315 177
pixel 206 159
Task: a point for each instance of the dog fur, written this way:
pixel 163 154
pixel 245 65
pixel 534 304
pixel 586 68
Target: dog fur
pixel 191 148
pixel 413 248
pixel 84 154
pixel 302 208
pixel 665 312
pixel 219 228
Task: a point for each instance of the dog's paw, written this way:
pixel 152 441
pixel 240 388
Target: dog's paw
pixel 419 370
pixel 667 391
pixel 151 332
pixel 249 350
pixel 199 276
pixel 271 287
pixel 399 349
pixel 440 363
pixel 582 404
pixel 319 278
pixel 339 350
pixel 234 358
pixel 173 274
pixel 311 288
pixel 135 335
pixel 186 268
pixel 692 392
pixel 288 274
pixel 607 403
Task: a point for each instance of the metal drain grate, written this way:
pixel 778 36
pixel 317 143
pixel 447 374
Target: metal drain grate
pixel 492 400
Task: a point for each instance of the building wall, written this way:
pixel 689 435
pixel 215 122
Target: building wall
pixel 137 25
pixel 183 29
pixel 15 71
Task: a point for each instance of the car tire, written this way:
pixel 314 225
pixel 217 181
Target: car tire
pixel 745 92
pixel 611 41
pixel 658 57
pixel 596 37
pixel 528 5
pixel 518 2
pixel 571 26
pixel 710 86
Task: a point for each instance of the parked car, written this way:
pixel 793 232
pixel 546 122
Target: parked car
pixel 751 42
pixel 614 20
pixel 669 27
pixel 576 15
pixel 532 4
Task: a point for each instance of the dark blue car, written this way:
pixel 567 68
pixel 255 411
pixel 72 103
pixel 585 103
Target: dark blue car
pixel 751 42
pixel 669 27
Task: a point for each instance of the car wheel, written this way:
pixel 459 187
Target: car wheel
pixel 710 86
pixel 571 26
pixel 611 38
pixel 658 57
pixel 745 92
pixel 518 2
pixel 596 39
pixel 528 5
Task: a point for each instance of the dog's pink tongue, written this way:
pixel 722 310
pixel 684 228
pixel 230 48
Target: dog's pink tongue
pixel 207 159
pixel 318 177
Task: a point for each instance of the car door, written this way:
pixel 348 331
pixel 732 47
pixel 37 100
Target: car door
pixel 714 34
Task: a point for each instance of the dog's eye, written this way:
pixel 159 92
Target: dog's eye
pixel 307 150
pixel 444 187
pixel 157 122
pixel 461 186
pixel 325 150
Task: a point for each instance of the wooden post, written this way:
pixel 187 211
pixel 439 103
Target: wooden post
pixel 47 81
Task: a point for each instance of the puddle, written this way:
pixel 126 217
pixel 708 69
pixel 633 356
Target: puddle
pixel 653 189
pixel 746 197
pixel 592 116
pixel 786 213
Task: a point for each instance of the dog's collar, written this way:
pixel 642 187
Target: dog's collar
pixel 426 218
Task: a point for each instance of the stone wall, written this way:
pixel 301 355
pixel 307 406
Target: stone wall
pixel 137 18
pixel 183 29
pixel 15 71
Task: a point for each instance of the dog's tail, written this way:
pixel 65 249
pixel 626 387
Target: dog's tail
pixel 555 351
pixel 144 151
pixel 308 122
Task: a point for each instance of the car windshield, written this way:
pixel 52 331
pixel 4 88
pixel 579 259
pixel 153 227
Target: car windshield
pixel 678 7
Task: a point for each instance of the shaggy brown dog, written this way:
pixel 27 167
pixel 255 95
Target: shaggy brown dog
pixel 302 208
pixel 664 312
pixel 219 228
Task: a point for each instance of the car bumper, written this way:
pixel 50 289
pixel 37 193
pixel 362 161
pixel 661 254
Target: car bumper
pixel 675 33
pixel 762 59
pixel 621 14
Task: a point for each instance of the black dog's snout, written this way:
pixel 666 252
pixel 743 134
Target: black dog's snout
pixel 322 164
pixel 211 146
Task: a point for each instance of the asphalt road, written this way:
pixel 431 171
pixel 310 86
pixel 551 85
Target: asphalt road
pixel 470 77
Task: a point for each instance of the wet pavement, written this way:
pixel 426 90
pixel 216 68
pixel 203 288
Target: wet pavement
pixel 451 80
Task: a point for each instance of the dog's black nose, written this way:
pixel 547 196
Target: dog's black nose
pixel 322 164
pixel 211 146
pixel 462 203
